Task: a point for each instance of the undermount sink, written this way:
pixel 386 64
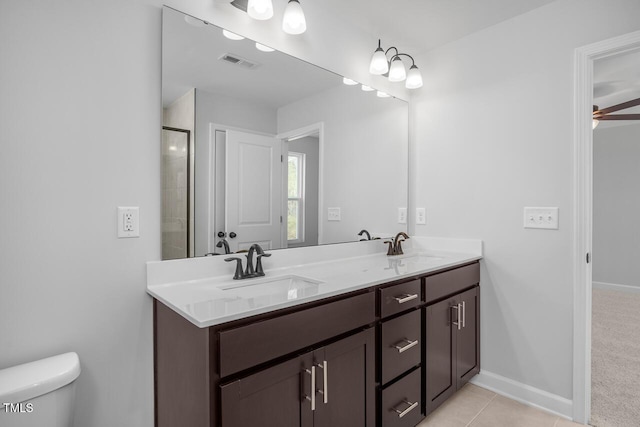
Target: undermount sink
pixel 293 286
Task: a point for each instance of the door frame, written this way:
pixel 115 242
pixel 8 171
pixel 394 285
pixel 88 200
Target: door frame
pixel 311 129
pixel 583 212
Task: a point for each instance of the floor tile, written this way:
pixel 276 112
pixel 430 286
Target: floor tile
pixel 503 412
pixel 460 409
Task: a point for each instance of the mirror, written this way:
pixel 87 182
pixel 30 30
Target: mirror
pixel 261 147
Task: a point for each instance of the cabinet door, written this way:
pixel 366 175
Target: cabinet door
pixel 468 337
pixel 347 398
pixel 274 397
pixel 440 344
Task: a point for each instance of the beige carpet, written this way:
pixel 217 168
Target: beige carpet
pixel 615 353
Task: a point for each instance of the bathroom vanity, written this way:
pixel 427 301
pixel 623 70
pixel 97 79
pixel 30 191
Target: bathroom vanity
pixel 363 341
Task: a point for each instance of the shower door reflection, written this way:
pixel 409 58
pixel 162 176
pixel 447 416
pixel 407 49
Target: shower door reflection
pixel 176 215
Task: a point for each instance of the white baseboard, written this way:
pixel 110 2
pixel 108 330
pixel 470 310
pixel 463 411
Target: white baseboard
pixel 525 394
pixel 616 287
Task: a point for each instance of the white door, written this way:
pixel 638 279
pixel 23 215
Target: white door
pixel 253 194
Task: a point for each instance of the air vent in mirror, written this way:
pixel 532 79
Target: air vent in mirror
pixel 238 60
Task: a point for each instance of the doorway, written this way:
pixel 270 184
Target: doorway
pixel 583 211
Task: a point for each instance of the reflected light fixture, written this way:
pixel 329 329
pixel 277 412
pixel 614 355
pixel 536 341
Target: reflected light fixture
pixel 349 82
pixel 293 21
pixel 264 48
pixel 232 36
pixel 394 68
pixel 260 9
pixel 366 88
pixel 381 94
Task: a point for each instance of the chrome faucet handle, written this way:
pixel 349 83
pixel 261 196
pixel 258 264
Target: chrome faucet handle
pixel 239 274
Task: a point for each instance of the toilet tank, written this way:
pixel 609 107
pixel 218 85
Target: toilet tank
pixel 39 393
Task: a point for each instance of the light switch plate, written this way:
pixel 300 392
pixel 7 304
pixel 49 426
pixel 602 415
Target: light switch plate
pixel 333 214
pixel 402 215
pixel 546 218
pixel 128 222
pixel 421 216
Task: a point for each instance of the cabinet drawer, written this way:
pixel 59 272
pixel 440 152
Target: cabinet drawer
pixel 401 402
pixel 259 342
pixel 451 282
pixel 400 345
pixel 400 297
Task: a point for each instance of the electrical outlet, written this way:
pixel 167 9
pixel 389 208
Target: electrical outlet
pixel 541 218
pixel 402 215
pixel 421 216
pixel 333 214
pixel 128 222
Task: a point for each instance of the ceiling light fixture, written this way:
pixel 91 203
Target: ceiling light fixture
pixel 293 21
pixel 394 68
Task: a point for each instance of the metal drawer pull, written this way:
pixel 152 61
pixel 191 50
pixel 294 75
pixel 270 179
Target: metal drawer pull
pixel 312 372
pixel 406 297
pixel 464 314
pixel 325 391
pixel 411 407
pixel 458 309
pixel 410 344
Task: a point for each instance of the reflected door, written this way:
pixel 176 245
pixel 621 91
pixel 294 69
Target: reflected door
pixel 253 193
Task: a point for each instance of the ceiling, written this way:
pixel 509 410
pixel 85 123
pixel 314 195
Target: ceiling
pixel 617 80
pixel 421 25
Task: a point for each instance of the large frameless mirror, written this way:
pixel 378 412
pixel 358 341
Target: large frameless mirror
pixel 261 147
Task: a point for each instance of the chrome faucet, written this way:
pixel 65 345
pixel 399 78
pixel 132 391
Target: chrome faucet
pixel 364 232
pixel 249 270
pixel 395 246
pixel 223 242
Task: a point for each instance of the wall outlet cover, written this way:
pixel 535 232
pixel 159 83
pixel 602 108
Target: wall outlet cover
pixel 421 216
pixel 333 214
pixel 402 215
pixel 128 222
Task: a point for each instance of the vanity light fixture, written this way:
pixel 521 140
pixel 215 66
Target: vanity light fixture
pixel 293 21
pixel 349 82
pixel 383 94
pixel 232 36
pixel 264 48
pixel 394 68
pixel 366 88
pixel 260 9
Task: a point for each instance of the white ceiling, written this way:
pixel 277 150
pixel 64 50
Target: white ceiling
pixel 617 80
pixel 421 25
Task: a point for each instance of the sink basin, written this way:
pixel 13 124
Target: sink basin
pixel 287 287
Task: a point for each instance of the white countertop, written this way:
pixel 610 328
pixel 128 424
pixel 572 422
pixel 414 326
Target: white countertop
pixel 216 299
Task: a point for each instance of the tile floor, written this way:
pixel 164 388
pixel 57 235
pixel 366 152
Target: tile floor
pixel 474 406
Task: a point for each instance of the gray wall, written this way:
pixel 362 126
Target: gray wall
pixel 616 205
pixel 492 134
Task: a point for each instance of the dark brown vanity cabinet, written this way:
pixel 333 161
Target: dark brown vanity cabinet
pixel 379 357
pixel 329 386
pixel 452 334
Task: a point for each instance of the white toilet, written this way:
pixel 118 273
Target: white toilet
pixel 39 393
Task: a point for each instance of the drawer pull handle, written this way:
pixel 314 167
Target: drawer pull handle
pixel 411 407
pixel 458 309
pixel 325 384
pixel 402 349
pixel 312 398
pixel 405 298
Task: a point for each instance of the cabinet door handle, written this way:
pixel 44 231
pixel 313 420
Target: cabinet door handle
pixel 411 407
pixel 406 297
pixel 464 314
pixel 325 384
pixel 458 309
pixel 404 348
pixel 312 398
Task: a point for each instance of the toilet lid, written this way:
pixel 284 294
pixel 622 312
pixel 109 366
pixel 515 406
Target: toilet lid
pixel 30 380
